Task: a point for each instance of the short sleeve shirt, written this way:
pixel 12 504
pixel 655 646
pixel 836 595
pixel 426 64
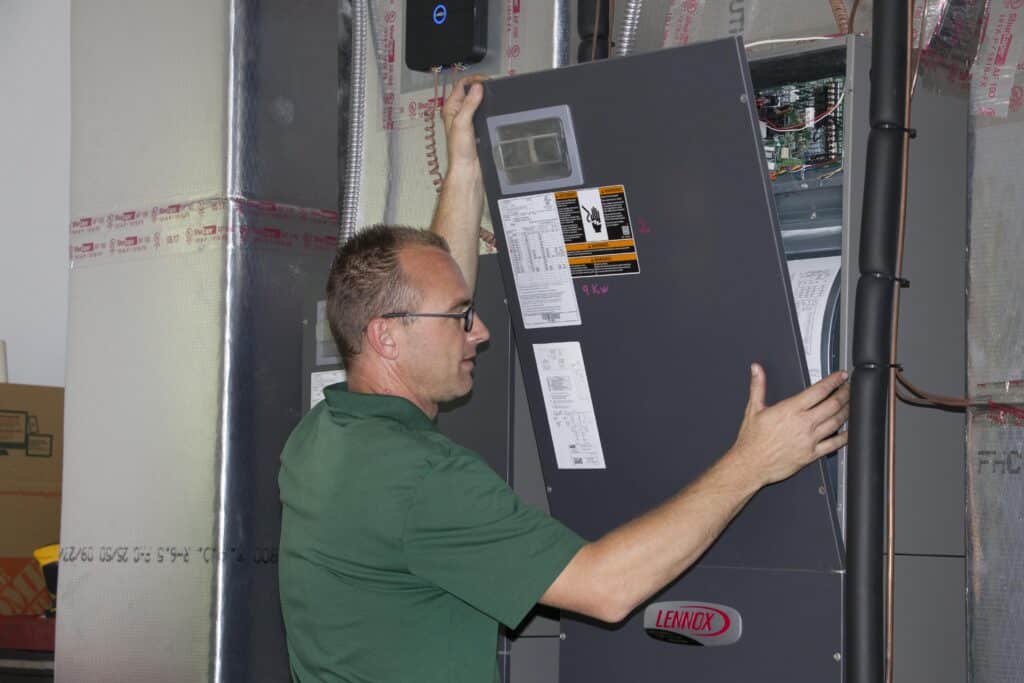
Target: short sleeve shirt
pixel 400 550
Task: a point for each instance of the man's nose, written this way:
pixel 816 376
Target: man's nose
pixel 479 332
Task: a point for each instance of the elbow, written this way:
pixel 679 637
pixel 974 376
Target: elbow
pixel 612 606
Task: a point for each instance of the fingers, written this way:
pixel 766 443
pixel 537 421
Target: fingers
pixel 758 386
pixel 832 405
pixel 819 391
pixel 830 445
pixel 466 91
pixel 472 99
pixel 832 424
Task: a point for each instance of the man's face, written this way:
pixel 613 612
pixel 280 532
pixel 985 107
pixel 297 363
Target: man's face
pixel 437 355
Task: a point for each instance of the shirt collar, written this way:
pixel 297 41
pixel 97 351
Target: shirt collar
pixel 341 401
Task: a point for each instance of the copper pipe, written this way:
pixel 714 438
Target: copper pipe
pixel 890 565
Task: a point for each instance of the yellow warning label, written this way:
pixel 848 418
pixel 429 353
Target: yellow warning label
pixel 614 258
pixel 614 244
pixel 598 231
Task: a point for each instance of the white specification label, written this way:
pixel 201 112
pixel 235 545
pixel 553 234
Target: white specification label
pixel 570 411
pixel 318 381
pixel 812 280
pixel 540 267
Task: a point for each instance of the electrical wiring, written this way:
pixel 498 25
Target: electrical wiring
pixel 840 15
pixel 929 399
pixel 430 134
pixel 853 14
pixel 815 121
pixel 835 172
pixel 773 41
pixel 611 22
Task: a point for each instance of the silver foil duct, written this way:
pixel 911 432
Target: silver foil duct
pixel 204 197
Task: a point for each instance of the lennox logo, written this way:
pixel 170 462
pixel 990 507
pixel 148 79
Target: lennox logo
pixel 693 623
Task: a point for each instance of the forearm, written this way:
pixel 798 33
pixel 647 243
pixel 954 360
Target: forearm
pixel 641 557
pixel 607 579
pixel 458 213
pixel 631 563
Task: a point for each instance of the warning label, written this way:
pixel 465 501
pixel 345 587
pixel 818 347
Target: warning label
pixel 597 231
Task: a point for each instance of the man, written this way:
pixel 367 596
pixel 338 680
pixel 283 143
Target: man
pixel 400 550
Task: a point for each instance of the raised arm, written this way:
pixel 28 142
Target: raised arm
pixel 460 203
pixel 610 577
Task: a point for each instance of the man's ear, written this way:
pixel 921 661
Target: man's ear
pixel 383 343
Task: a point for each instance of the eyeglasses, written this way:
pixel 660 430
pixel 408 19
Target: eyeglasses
pixel 466 316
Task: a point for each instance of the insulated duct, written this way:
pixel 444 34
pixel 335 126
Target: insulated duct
pixel 883 210
pixel 204 195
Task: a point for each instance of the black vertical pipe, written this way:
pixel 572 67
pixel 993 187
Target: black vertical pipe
pixel 879 248
pixel 587 11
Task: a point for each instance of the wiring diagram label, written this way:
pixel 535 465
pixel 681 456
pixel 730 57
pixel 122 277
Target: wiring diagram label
pixel 812 281
pixel 597 231
pixel 540 267
pixel 570 410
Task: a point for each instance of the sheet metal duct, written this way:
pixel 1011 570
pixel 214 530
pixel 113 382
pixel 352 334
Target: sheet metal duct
pixel 204 189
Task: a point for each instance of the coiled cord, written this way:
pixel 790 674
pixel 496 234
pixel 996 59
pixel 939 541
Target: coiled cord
pixel 430 133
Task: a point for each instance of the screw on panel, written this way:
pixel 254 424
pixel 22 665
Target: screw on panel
pixel 743 98
pixel 821 490
pixel 837 656
pixel 561 636
pixel 549 489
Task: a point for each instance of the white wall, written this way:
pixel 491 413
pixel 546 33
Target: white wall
pixel 34 187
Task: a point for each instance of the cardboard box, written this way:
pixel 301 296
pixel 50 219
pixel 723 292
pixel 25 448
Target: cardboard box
pixel 31 458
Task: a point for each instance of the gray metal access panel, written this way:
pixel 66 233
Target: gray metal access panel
pixel 644 271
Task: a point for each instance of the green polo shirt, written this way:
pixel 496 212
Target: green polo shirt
pixel 400 550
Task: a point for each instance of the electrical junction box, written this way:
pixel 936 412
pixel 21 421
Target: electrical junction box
pixel 440 33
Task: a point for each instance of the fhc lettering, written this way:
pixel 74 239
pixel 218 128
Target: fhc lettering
pixel 698 621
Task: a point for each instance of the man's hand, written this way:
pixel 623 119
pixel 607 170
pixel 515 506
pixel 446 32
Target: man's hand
pixel 461 202
pixel 776 441
pixel 458 110
pixel 608 578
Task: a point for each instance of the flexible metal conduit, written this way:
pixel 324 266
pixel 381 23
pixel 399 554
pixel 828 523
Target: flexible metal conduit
pixel 630 22
pixel 351 175
pixel 883 208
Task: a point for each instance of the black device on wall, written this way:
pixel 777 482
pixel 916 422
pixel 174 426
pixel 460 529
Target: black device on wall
pixel 440 33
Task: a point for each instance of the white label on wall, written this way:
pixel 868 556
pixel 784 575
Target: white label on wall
pixel 318 381
pixel 567 402
pixel 540 267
